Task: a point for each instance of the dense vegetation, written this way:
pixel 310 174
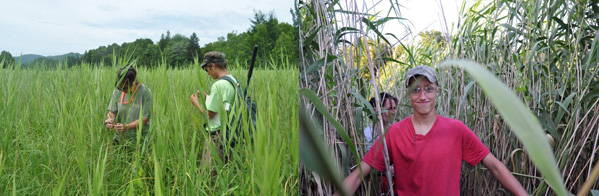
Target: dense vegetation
pixel 54 141
pixel 546 52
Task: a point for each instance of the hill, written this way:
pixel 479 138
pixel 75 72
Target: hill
pixel 29 58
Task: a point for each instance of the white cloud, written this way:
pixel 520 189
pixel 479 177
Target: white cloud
pixel 62 26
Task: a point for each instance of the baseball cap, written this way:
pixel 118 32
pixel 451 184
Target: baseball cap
pixel 421 70
pixel 213 57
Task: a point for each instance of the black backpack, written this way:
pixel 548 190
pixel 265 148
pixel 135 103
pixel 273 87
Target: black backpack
pixel 241 112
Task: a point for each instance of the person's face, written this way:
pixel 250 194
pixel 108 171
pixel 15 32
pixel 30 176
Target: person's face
pixel 389 107
pixel 123 87
pixel 422 95
pixel 209 68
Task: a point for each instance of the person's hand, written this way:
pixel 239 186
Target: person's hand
pixel 205 95
pixel 120 127
pixel 194 99
pixel 392 170
pixel 109 123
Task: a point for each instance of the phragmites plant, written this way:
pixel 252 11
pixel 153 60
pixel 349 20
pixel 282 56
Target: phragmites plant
pixel 544 52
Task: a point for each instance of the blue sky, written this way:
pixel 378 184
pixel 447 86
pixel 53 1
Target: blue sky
pixel 62 26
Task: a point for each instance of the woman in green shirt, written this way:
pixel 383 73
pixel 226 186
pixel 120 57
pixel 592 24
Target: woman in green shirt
pixel 130 107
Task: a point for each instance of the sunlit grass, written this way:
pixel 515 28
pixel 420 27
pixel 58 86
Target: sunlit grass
pixel 53 139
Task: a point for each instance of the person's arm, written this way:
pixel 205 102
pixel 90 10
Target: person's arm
pixel 110 115
pixel 211 114
pixel 353 180
pixel 504 175
pixel 132 125
pixel 194 101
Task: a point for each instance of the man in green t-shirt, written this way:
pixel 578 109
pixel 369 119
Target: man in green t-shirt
pixel 130 106
pixel 220 100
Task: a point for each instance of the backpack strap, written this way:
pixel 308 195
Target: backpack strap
pixel 235 85
pixel 230 80
pixel 238 94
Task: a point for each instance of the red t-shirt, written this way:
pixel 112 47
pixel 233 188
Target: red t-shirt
pixel 428 164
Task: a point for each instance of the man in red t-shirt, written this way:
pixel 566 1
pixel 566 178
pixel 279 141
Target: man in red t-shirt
pixel 427 150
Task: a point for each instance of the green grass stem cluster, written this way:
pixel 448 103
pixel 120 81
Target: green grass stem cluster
pixel 53 140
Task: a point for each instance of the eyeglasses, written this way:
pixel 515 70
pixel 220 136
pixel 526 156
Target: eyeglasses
pixel 427 89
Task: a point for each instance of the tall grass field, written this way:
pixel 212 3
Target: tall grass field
pixel 53 140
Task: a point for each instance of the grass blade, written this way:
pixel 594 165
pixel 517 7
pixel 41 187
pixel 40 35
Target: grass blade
pixel 522 121
pixel 313 153
pixel 321 108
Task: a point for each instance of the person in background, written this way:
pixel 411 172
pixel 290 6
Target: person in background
pixel 130 106
pixel 372 131
pixel 388 107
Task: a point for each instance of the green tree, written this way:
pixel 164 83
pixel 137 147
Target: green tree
pixel 144 51
pixel 177 38
pixel 176 54
pixel 260 38
pixel 164 40
pixel 218 45
pixel 6 59
pixel 150 56
pixel 239 48
pixel 433 38
pixel 193 48
pixel 264 32
pixel 72 61
pixel 277 42
pixel 176 50
pixel 287 44
pixel 286 47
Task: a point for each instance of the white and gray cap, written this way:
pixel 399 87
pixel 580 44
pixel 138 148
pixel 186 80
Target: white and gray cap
pixel 421 70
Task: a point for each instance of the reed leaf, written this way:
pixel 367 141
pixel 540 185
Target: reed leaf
pixel 522 121
pixel 322 109
pixel 313 153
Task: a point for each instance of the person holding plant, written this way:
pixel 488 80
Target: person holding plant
pixel 427 149
pixel 130 106
pixel 218 103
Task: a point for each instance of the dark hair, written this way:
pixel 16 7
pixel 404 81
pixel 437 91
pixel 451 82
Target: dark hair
pixel 222 65
pixel 382 97
pixel 125 78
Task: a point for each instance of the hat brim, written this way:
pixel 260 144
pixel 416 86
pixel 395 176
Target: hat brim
pixel 430 79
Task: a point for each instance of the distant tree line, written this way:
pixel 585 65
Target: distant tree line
pixel 278 44
pixel 6 59
pixel 144 50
